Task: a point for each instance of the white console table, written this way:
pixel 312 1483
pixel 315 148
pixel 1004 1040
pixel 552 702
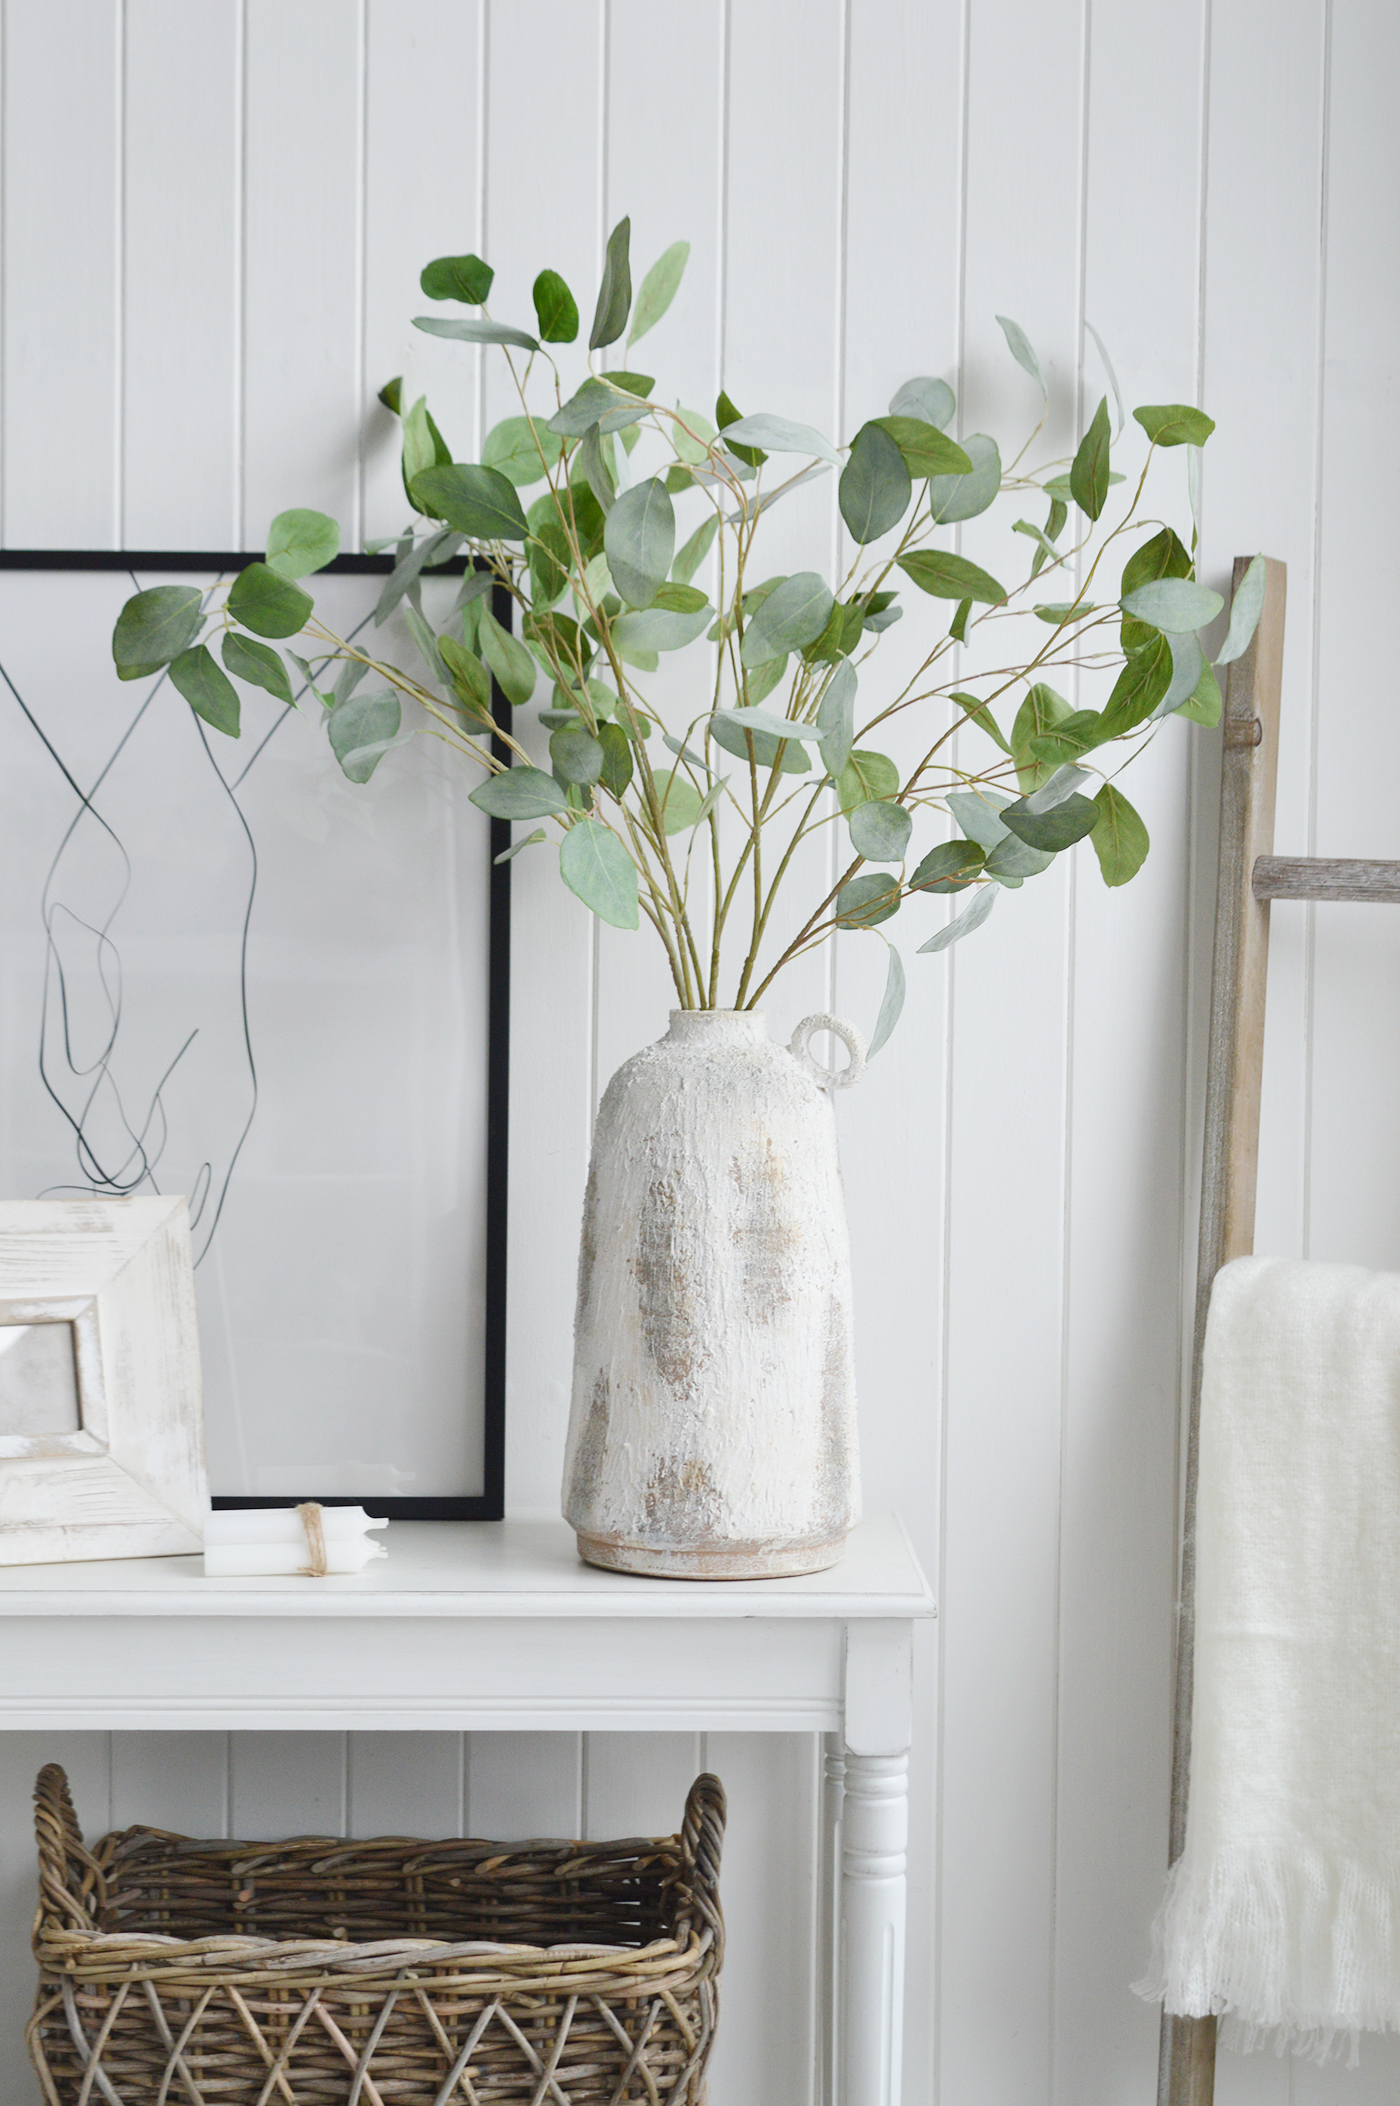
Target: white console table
pixel 470 1626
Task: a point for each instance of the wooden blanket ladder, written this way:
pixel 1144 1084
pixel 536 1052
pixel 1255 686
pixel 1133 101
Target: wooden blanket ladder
pixel 1250 876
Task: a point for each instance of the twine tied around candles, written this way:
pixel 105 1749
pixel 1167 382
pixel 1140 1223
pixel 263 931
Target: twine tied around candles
pixel 310 1517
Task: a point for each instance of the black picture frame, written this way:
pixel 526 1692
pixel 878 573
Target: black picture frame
pixel 489 1503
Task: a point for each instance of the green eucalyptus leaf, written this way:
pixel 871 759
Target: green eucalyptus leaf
pixel 597 468
pixel 508 855
pixel 1204 706
pixel 207 688
pixel 728 729
pixel 979 714
pixel 464 278
pixel 875 488
pixel 1177 605
pixel 1019 345
pixel 880 831
pixel 836 718
pixel 611 408
pixel 556 310
pixel 614 298
pixel 1120 839
pixel 520 450
pixel 617 759
pixel 931 401
pixel 948 577
pixel 726 415
pixel 594 864
pixel 471 683
pixel 769 723
pixel 778 435
pixel 659 628
pixel 256 663
pixel 1138 689
pixel 892 1004
pixel 955 497
pixel 154 627
pixel 467 331
pixel 1058 612
pixel 361 731
pixel 867 900
pixel 695 551
pixel 479 502
pixel 1161 557
pixel 1072 736
pixel 926 451
pixel 299 543
pixel 964 922
pixel 658 289
pixel 1088 478
pixel 520 793
pixel 391 395
pixel 413 561
pixel 761 681
pixel 1059 828
pixel 639 541
pixel 866 776
pixel 950 867
pixel 679 798
pixel 547 552
pixel 576 756
pixel 1040 712
pixel 267 603
pixel 1245 610
pixel 419 447
pixel 793 614
pixel 1175 424
pixel 1188 664
pixel 510 662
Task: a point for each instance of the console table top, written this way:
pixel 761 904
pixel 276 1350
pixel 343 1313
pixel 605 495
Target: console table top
pixel 513 1568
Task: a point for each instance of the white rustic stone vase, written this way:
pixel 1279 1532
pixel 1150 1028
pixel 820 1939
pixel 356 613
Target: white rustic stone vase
pixel 712 1433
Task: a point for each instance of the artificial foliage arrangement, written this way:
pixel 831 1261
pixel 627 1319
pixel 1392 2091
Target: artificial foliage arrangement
pixel 695 820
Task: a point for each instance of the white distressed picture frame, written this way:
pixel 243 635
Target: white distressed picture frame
pixel 131 1481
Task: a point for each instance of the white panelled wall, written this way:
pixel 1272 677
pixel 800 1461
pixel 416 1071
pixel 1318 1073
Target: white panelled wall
pixel 213 222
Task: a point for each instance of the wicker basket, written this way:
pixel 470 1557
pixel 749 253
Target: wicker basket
pixel 320 1972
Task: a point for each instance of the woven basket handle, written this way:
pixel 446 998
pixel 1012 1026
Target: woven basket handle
pixel 70 1882
pixel 702 1838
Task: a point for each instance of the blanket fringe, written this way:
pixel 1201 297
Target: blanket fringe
pixel 1295 1949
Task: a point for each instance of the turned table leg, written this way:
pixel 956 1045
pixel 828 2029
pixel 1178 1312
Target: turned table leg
pixel 874 1838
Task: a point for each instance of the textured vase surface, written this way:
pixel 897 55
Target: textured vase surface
pixel 712 1431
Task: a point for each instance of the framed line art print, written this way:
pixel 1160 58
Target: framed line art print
pixel 229 973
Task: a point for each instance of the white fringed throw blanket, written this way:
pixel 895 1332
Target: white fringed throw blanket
pixel 1283 1911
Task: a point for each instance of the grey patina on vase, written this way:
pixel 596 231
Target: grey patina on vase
pixel 712 1432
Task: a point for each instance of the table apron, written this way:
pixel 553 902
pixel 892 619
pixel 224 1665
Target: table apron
pixel 121 1673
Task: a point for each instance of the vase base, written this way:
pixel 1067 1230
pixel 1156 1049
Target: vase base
pixel 716 1561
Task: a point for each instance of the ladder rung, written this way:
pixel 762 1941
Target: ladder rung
pixel 1324 877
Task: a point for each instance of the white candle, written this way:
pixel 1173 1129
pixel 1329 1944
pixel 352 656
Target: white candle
pixel 247 1542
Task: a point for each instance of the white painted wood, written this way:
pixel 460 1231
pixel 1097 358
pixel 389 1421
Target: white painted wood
pixel 131 1482
pixel 525 1784
pixel 874 1836
pixel 182 348
pixel 62 384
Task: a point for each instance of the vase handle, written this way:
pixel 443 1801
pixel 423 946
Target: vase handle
pixel 829 1078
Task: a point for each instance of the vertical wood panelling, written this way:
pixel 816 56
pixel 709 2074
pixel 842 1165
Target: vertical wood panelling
pixel 213 224
pixel 286 1784
pixel 544 211
pixel 422 183
pixel 905 145
pixel 1126 1112
pixel 405 1783
pixel 303 138
pixel 525 1784
pixel 63 267
pixel 181 353
pixel 1011 995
